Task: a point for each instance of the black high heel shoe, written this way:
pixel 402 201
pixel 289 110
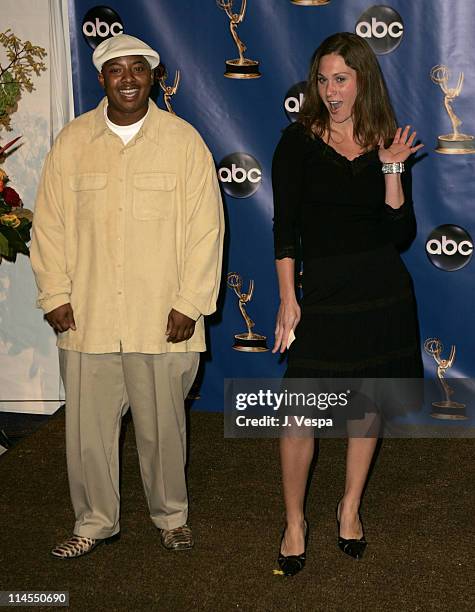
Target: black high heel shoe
pixel 352 546
pixel 293 564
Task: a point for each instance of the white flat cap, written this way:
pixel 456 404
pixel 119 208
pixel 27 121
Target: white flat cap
pixel 121 45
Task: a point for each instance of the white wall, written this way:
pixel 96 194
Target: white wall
pixel 29 373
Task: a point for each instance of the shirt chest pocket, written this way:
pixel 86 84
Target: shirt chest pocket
pixel 154 195
pixel 90 192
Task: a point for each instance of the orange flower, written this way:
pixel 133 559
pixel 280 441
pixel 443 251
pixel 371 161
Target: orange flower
pixel 1 186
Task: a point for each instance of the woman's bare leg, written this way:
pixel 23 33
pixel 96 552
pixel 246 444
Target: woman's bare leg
pixel 296 454
pixel 359 455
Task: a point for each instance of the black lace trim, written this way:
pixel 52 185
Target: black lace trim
pixel 397 213
pixel 356 165
pixel 285 252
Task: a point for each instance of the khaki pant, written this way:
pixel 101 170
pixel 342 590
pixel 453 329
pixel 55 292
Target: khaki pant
pixel 99 389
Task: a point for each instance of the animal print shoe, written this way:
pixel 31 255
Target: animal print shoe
pixel 78 546
pixel 180 538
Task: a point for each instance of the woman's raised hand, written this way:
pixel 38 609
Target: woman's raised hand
pixel 400 148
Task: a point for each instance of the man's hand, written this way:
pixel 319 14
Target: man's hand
pixel 62 318
pixel 179 327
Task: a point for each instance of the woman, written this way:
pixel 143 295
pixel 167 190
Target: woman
pixel 343 202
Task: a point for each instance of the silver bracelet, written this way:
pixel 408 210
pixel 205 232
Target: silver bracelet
pixel 393 168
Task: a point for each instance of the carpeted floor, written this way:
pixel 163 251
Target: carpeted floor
pixel 418 516
pixel 17 425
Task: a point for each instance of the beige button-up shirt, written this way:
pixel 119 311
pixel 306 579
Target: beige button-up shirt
pixel 126 233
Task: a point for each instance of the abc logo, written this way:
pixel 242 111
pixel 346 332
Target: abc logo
pixel 294 100
pixel 449 247
pixel 240 175
pixel 99 23
pixel 382 28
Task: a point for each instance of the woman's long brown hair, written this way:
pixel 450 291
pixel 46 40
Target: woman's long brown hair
pixel 373 114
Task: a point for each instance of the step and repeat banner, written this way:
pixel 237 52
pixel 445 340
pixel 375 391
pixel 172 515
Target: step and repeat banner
pixel 237 71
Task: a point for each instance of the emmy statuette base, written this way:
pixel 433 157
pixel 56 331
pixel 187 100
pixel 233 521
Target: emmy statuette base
pixel 248 69
pixel 449 411
pixel 250 343
pixel 311 2
pixel 455 144
pixel 442 416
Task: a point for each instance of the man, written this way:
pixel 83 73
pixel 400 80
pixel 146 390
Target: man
pixel 126 250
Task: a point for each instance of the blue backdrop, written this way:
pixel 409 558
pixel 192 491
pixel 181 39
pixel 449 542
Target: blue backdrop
pixel 247 115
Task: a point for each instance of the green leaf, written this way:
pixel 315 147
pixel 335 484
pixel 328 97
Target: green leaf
pixel 24 232
pixel 15 242
pixel 4 250
pixel 9 92
pixel 10 257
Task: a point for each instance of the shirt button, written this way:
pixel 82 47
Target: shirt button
pixel 119 292
pixel 121 209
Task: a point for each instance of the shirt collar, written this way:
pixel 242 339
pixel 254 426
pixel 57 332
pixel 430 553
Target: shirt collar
pixel 149 129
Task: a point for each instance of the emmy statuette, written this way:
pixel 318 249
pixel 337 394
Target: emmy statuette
pixel 169 90
pixel 240 68
pixel 455 143
pixel 447 409
pixel 249 341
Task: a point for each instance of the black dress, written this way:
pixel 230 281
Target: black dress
pixel 358 307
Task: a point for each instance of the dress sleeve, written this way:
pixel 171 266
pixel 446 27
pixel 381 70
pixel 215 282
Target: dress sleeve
pixel 287 185
pixel 401 222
